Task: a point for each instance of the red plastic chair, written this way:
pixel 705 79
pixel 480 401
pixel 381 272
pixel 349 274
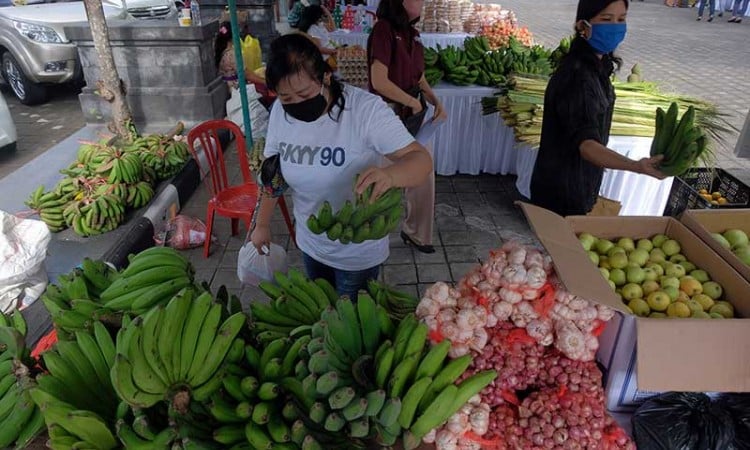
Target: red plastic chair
pixel 234 201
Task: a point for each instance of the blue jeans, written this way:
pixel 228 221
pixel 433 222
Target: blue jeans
pixel 711 7
pixel 346 282
pixel 739 11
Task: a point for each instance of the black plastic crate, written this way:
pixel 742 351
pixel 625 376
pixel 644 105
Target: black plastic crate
pixel 685 191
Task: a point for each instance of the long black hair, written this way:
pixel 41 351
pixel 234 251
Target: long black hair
pixel 393 12
pixel 295 53
pixel 309 17
pixel 223 38
pixel 587 10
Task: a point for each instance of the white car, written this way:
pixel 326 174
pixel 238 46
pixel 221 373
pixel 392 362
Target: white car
pixel 8 134
pixel 36 54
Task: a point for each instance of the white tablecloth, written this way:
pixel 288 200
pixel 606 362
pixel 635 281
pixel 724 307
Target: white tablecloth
pixel 343 37
pixel 470 143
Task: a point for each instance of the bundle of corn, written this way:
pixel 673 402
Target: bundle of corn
pixel 521 105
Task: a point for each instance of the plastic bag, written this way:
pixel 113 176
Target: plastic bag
pixel 739 408
pixel 258 113
pixel 251 53
pixel 683 421
pixel 252 267
pixel 23 250
pixel 182 233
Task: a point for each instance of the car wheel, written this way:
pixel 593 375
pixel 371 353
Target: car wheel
pixel 27 92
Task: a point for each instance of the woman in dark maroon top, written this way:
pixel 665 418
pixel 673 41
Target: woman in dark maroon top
pixel 396 58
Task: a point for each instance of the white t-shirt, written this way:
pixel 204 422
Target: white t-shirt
pixel 320 160
pixel 321 33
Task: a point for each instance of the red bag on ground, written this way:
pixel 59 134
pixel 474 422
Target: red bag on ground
pixel 182 233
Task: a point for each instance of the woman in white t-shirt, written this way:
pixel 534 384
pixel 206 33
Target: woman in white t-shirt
pixel 316 22
pixel 325 133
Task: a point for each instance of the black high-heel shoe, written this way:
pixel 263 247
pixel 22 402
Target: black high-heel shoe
pixel 422 248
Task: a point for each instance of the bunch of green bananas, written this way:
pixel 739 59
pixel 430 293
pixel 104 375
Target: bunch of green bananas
pixel 398 304
pixel 76 397
pixel 433 75
pixel 456 66
pixel 94 214
pixel 50 207
pixel 562 49
pixel 423 382
pixel 166 155
pixel 175 353
pixel 141 435
pixel 20 419
pixel 334 384
pixel 251 407
pixel 73 303
pixel 430 57
pixel 121 167
pixel 152 278
pixel 475 48
pixel 295 301
pixel 360 221
pixel 680 142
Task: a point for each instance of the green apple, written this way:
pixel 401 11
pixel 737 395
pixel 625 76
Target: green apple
pixel 659 239
pixel 722 240
pixel 671 247
pixel 618 260
pixel 657 256
pixel 658 301
pixel 639 256
pixel 612 284
pixel 736 238
pixel 694 306
pixel 657 315
pixel 712 289
pixel 722 309
pixel 618 277
pixel 650 274
pixel 594 257
pixel 743 254
pixel 631 291
pixel 700 315
pixel 678 258
pixel 614 250
pixel 700 275
pixel 674 270
pixel 656 268
pixel 626 243
pixel 605 273
pixel 715 315
pixel 690 286
pixel 603 246
pixel 635 275
pixel 672 292
pixel 639 307
pixel 689 267
pixel 650 286
pixel 587 241
pixel 645 244
pixel 678 309
pixel 670 281
pixel 705 301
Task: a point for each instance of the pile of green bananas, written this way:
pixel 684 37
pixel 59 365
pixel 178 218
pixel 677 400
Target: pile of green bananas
pixel 456 65
pixel 423 382
pixel 295 301
pixel 20 419
pixel 152 278
pixel 73 302
pixel 175 353
pixel 94 214
pixel 360 221
pixel 433 74
pixel 398 304
pixel 76 396
pixel 680 142
pixel 166 155
pixel 50 206
pixel 118 166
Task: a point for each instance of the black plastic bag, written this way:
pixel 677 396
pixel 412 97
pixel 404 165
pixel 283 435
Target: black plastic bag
pixel 683 421
pixel 738 406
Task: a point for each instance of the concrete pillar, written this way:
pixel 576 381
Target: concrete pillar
pixel 169 72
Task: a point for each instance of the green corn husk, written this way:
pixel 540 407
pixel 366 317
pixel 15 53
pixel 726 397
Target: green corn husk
pixel 634 111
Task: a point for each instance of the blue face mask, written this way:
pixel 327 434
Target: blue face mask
pixel 605 37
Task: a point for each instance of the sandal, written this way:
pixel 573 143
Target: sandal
pixel 710 19
pixel 732 20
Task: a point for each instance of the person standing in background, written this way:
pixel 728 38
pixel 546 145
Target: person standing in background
pixel 711 9
pixel 396 59
pixel 739 11
pixel 317 22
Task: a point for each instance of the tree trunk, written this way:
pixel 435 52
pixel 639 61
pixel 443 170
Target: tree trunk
pixel 109 87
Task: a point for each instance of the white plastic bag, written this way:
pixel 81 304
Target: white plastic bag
pixel 23 249
pixel 252 267
pixel 258 112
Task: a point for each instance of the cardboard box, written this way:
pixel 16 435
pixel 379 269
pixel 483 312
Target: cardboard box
pixel 703 222
pixel 642 356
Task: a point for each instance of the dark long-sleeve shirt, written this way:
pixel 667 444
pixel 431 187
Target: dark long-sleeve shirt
pixel 578 105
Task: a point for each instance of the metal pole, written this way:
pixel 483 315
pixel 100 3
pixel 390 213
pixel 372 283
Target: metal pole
pixel 240 72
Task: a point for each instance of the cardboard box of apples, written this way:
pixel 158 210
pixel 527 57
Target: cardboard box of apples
pixel 726 231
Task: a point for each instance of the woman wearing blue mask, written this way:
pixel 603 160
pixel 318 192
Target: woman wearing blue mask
pixel 578 107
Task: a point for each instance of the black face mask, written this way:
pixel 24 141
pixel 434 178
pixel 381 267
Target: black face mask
pixel 307 110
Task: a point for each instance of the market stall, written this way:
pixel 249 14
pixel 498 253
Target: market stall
pixel 431 40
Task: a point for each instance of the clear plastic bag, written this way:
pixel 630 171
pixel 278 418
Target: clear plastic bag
pixel 252 267
pixel 182 233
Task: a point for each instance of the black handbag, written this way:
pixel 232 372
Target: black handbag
pixel 413 122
